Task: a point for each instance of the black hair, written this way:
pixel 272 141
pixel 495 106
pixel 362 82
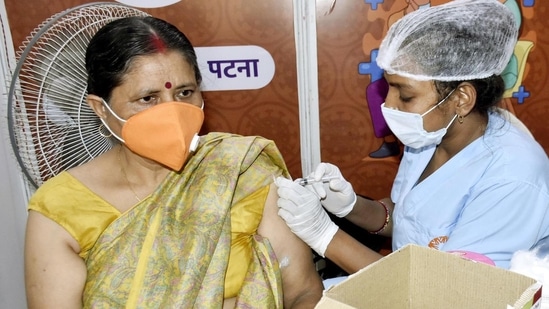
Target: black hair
pixel 489 91
pixel 116 45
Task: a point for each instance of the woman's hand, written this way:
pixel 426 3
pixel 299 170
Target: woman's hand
pixel 303 213
pixel 337 196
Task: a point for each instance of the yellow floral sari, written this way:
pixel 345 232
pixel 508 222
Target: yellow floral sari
pixel 172 250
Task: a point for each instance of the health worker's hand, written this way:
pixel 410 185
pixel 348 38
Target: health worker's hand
pixel 301 210
pixel 337 195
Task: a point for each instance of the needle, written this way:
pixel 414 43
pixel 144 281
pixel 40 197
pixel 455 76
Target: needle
pixel 310 180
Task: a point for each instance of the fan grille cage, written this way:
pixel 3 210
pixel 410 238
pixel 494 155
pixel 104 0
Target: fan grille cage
pixel 51 127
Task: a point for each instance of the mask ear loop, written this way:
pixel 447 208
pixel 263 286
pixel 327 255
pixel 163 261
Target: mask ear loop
pixel 441 101
pixel 115 116
pixel 196 138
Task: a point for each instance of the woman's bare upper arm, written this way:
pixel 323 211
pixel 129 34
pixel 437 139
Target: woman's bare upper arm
pixel 302 284
pixel 54 272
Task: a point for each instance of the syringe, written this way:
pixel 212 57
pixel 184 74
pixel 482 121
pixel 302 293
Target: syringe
pixel 310 180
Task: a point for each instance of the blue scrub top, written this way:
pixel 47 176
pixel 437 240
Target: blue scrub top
pixel 491 198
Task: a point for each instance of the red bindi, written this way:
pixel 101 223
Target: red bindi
pixel 168 85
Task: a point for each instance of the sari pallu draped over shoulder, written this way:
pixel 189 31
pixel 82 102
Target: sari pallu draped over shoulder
pixel 172 249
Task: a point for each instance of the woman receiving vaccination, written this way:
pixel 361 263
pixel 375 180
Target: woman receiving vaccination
pixel 164 219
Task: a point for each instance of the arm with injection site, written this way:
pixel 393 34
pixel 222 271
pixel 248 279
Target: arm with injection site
pixel 301 210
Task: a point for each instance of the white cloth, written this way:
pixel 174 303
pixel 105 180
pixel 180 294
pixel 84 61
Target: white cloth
pixel 534 264
pixel 491 198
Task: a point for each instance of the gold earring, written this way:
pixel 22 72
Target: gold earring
pixel 460 119
pixel 101 126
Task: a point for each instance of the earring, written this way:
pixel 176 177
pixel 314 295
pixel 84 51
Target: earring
pixel 460 119
pixel 101 126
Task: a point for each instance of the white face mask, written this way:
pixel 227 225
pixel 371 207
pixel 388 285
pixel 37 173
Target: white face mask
pixel 408 127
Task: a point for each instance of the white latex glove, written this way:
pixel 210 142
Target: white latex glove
pixel 337 195
pixel 301 210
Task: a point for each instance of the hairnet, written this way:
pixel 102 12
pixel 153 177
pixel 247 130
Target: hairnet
pixel 458 40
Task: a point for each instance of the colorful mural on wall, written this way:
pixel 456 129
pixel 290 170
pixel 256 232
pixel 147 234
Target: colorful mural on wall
pixel 351 86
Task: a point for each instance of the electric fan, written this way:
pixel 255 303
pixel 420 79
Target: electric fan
pixel 50 125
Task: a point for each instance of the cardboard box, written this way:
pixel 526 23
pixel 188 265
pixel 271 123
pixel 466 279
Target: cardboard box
pixel 419 277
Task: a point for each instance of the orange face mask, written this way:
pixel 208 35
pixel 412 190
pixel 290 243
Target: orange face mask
pixel 166 133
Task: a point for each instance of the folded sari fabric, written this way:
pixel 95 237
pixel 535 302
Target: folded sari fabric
pixel 172 249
